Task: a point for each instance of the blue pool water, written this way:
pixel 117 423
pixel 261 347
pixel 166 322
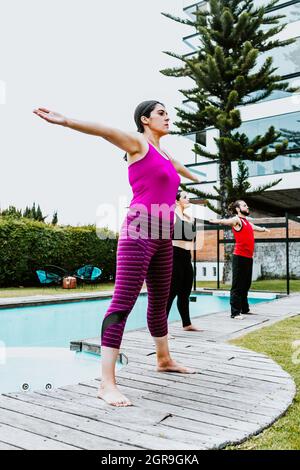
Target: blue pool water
pixel 34 341
pixel 30 369
pixel 57 324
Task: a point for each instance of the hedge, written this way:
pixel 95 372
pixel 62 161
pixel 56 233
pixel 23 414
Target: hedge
pixel 26 245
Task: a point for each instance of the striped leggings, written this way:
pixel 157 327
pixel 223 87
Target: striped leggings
pixel 139 259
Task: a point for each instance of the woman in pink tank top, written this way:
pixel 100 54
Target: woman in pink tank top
pixel 145 249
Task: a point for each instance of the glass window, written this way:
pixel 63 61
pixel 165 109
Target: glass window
pixel 201 138
pixel 291 12
pixel 190 10
pixel 204 272
pixel 289 126
pixel 214 271
pixel 193 41
pixel 285 123
pixel 281 164
pixel 277 94
pixel 208 171
pixel 286 59
pixel 258 3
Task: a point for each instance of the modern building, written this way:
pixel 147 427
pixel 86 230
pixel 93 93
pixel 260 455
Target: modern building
pixel 281 109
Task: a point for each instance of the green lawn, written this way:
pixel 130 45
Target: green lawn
pixel 23 291
pixel 277 342
pixel 272 286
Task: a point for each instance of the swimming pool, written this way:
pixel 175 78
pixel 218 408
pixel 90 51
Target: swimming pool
pixel 35 340
pixel 55 325
pixel 31 369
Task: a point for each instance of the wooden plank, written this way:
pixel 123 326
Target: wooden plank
pixel 203 386
pixel 184 404
pixel 270 368
pixel 177 408
pixel 216 397
pixel 141 408
pixel 39 422
pixel 279 377
pixel 30 441
pixel 5 446
pixel 213 405
pixel 183 425
pixel 91 423
pixel 252 361
pixel 255 404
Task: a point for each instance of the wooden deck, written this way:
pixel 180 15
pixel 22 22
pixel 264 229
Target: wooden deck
pixel 235 394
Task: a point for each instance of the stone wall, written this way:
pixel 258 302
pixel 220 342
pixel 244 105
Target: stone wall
pixel 272 259
pixel 269 259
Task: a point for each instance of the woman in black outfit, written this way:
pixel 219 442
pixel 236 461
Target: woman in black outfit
pixel 183 273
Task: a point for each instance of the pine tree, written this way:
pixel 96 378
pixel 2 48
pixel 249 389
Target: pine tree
pixel 54 218
pixel 232 36
pixel 292 136
pixel 39 215
pixel 27 213
pixel 238 188
pixel 13 212
pixel 33 211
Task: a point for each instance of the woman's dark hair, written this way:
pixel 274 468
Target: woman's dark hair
pixel 178 195
pixel 233 206
pixel 145 108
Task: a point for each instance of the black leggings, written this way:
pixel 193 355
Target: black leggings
pixel 241 283
pixel 181 283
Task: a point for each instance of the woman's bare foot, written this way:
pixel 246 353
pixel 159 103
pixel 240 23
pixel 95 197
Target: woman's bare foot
pixel 173 366
pixel 191 328
pixel 111 395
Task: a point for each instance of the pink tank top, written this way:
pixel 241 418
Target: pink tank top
pixel 154 182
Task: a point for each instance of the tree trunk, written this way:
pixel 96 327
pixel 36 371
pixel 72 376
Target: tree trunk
pixel 225 174
pixel 228 249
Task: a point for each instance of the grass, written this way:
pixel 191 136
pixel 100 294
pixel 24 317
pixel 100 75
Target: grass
pixel 274 285
pixel 277 342
pixel 24 291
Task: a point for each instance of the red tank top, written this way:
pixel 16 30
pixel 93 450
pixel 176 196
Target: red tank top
pixel 244 239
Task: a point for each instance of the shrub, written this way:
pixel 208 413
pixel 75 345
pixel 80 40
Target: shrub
pixel 26 245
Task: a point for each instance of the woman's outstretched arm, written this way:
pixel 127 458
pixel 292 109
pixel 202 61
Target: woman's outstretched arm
pixel 131 142
pixel 182 170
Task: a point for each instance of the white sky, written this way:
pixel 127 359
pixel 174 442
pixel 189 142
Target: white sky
pixel 93 60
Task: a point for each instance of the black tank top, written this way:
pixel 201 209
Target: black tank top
pixel 183 230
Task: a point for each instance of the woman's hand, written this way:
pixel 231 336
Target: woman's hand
pixel 51 116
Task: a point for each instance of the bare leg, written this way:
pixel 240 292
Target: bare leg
pixel 164 361
pixel 108 390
